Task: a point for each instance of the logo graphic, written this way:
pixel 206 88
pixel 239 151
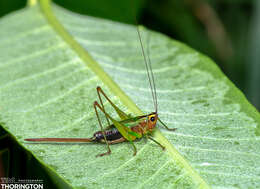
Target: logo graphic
pixel 12 183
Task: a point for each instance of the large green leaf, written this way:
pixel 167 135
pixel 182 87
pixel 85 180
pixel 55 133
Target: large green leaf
pixel 47 87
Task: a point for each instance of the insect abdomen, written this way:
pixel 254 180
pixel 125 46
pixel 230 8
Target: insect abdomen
pixel 111 134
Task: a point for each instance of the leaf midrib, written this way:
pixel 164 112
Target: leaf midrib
pixel 106 79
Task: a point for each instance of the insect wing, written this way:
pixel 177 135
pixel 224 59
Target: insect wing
pixel 123 130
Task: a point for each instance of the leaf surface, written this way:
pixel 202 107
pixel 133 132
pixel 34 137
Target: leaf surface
pixel 48 86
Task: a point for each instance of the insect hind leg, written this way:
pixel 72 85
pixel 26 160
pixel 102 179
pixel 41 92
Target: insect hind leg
pixel 120 113
pixel 102 130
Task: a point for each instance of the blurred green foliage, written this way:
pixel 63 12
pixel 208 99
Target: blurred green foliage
pixel 222 29
pixel 7 6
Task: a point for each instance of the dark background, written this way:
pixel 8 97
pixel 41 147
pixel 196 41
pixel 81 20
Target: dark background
pixel 226 30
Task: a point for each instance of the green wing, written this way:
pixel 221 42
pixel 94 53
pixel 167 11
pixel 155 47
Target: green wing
pixel 125 131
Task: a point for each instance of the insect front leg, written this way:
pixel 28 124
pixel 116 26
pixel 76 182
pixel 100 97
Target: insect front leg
pixel 170 129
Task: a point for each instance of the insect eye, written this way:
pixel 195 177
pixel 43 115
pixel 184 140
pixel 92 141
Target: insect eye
pixel 152 118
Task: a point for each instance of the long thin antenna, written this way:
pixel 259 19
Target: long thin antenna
pixel 153 81
pixel 149 71
pixel 148 65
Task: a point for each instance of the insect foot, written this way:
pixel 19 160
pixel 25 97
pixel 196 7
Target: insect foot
pixel 106 153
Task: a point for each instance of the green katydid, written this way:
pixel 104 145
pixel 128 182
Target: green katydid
pixel 128 128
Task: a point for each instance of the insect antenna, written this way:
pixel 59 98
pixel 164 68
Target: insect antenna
pixel 153 81
pixel 148 65
pixel 149 71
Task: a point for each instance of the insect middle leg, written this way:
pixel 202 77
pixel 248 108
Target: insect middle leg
pixel 163 148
